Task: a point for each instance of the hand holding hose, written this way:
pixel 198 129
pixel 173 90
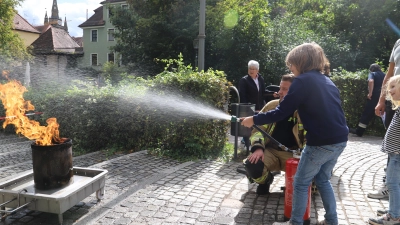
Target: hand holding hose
pixel 247 121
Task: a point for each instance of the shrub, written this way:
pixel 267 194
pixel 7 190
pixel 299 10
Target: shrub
pixel 169 114
pixel 353 91
pixel 180 113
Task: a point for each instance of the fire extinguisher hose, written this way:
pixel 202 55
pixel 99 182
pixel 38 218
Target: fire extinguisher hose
pixel 281 146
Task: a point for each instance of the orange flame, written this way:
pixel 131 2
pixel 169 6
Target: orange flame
pixel 11 95
pixel 5 73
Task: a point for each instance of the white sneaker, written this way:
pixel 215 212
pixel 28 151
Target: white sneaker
pixel 384 220
pixel 383 192
pixel 282 223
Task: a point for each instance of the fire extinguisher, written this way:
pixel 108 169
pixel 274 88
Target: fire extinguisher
pixel 291 168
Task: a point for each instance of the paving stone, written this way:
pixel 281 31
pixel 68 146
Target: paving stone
pixel 143 189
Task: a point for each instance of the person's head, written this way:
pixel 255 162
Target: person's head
pixel 253 67
pixel 306 57
pixel 286 81
pixel 374 68
pixel 393 91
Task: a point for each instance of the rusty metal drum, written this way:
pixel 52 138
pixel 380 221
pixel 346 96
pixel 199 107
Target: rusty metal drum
pixel 52 165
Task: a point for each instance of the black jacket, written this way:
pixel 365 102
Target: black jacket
pixel 248 91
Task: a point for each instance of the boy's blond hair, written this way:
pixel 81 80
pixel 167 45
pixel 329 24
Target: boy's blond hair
pixel 395 80
pixel 308 56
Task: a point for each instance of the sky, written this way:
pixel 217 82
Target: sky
pixel 75 11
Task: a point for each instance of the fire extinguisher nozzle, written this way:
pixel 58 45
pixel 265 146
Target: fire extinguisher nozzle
pixel 235 119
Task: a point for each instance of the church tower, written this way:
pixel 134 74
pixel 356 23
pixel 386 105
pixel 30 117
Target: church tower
pixel 55 19
pixel 46 19
pixel 65 24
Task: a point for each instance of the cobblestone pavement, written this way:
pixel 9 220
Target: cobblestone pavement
pixel 143 189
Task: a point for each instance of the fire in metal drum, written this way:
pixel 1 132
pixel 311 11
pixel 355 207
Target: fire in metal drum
pixel 52 165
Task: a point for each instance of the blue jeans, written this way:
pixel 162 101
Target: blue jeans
pixel 393 184
pixel 316 163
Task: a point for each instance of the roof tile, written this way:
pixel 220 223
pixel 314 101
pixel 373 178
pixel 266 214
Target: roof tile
pixel 95 20
pixel 21 24
pixel 55 40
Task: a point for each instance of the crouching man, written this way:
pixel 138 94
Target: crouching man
pixel 267 156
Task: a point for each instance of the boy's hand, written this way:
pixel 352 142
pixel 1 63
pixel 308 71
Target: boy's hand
pixel 247 121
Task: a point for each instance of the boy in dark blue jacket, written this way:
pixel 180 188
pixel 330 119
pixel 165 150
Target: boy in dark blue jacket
pixel 317 100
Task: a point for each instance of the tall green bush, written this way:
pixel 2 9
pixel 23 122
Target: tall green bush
pixel 143 113
pixel 132 115
pixel 201 137
pixel 353 93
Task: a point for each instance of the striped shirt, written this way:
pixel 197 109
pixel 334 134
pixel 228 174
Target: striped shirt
pixel 391 143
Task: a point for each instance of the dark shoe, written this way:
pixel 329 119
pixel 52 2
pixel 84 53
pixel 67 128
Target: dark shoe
pixel 263 189
pixel 241 170
pixel 360 131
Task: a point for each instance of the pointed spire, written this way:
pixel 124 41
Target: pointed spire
pixel 46 19
pixel 65 24
pixel 55 18
pixel 54 10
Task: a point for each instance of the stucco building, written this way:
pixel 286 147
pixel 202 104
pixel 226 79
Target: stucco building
pixel 25 30
pixel 98 35
pixel 56 53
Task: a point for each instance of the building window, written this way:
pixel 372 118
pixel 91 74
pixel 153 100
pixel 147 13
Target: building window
pixel 110 12
pixel 110 34
pixel 124 6
pixel 93 60
pixel 111 57
pixel 94 36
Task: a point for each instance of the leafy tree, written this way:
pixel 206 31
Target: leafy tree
pixel 361 23
pixel 125 21
pixel 236 34
pixel 353 33
pixel 266 32
pixel 11 45
pixel 152 29
pixel 288 32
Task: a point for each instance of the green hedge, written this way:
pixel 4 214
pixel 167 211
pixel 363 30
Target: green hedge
pixel 151 113
pixel 353 88
pixel 133 115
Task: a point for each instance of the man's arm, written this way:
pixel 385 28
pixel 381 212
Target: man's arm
pixel 380 107
pixel 370 88
pixel 257 138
